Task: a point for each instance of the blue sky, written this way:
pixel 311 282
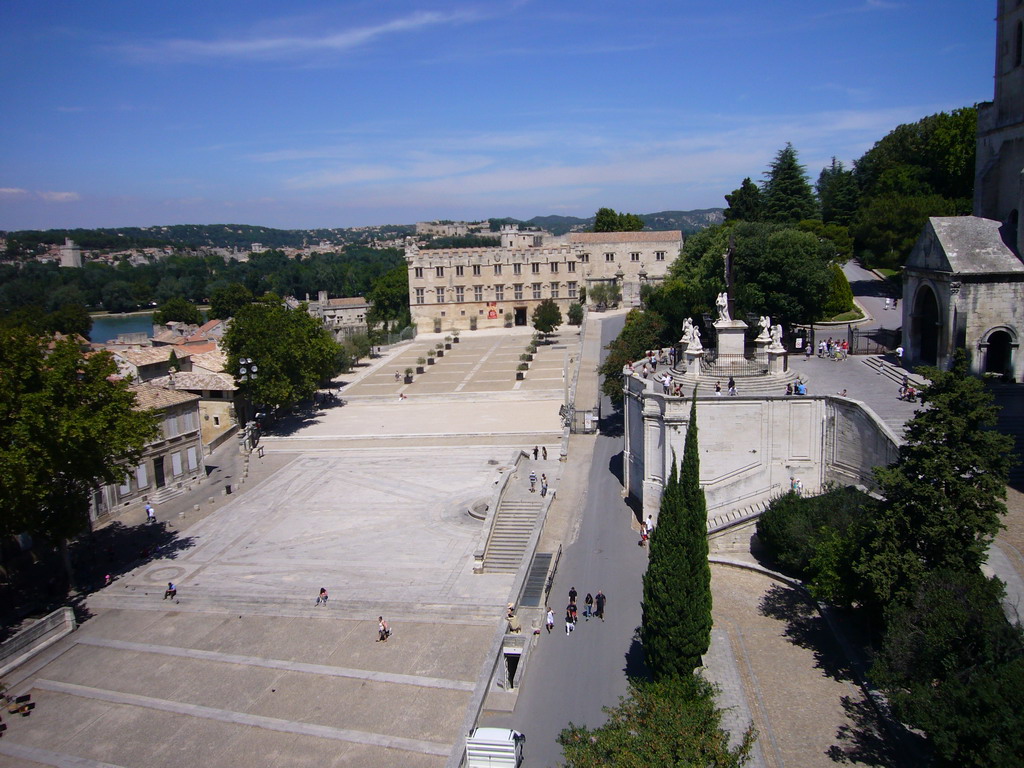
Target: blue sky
pixel 342 114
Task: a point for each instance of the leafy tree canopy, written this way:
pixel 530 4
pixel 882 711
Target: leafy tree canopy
pixel 390 297
pixel 546 316
pixel 607 220
pixel 291 349
pixel 226 300
pixel 178 310
pixel 745 203
pixel 67 426
pixel 838 194
pixel 672 722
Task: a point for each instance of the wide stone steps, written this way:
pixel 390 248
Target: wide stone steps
pixel 736 517
pixel 883 367
pixel 513 524
pixel 746 386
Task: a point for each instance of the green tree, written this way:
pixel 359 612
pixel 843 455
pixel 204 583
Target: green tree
pixel 291 349
pixel 945 494
pixel 390 297
pixel 640 333
pixel 676 628
pixel 67 427
pixel 226 300
pixel 608 220
pixel 69 319
pixel 118 296
pixel 887 227
pixel 673 722
pixel 838 194
pixel 575 313
pixel 546 316
pixel 178 310
pixel 788 198
pixel 840 296
pixel 953 666
pixel 745 203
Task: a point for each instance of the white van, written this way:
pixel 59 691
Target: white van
pixel 494 748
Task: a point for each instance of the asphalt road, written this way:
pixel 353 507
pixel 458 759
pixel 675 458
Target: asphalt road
pixel 570 678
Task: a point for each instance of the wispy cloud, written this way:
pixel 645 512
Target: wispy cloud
pixel 290 46
pixel 867 6
pixel 59 197
pixel 12 192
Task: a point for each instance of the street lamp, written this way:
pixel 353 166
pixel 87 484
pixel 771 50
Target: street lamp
pixel 247 372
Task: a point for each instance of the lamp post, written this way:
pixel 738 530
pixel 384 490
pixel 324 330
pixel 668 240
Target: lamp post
pixel 247 372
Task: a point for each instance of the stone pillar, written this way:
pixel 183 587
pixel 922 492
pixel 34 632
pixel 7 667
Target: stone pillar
pixel 693 358
pixel 731 335
pixel 776 359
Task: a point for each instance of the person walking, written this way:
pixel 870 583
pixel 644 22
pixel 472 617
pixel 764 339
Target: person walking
pixel 383 630
pixel 650 525
pixel 544 452
pixel 588 606
pixel 599 602
pixel 322 597
pixel 643 533
pixel 550 620
pixel 535 453
pixel 570 619
pixel 171 591
pixel 543 485
pixel 533 481
pixel 572 595
pixel 150 513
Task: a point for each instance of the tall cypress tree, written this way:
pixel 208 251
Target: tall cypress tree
pixel 676 627
pixel 787 194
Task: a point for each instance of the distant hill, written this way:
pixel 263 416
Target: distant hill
pixel 244 235
pixel 687 221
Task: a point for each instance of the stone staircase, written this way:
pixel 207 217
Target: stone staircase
pixel 881 366
pixel 735 517
pixel 746 386
pixel 513 524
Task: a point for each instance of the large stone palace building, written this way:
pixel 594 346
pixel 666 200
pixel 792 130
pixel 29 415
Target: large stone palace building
pixel 489 287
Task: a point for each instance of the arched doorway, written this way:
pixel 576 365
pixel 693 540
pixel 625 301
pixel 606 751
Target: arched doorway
pixel 998 353
pixel 925 326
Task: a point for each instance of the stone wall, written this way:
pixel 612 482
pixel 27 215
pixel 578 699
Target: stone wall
pixel 751 448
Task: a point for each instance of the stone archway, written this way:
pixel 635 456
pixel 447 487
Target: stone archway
pixel 925 326
pixel 999 352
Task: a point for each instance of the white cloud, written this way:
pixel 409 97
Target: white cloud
pixel 59 197
pixel 12 192
pixel 288 46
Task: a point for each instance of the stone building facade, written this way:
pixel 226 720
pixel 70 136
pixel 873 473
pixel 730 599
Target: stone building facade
pixel 490 287
pixel 963 284
pixel 171 463
pixel 343 317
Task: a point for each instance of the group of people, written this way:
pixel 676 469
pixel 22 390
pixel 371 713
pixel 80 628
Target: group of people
pixel 646 529
pixel 797 389
pixel 907 391
pixel 731 387
pixel 651 360
pixel 593 606
pixel 543 483
pixel 834 349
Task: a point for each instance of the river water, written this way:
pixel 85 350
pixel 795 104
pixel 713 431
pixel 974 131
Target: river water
pixel 107 327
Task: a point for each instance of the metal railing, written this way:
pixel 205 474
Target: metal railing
pixel 714 364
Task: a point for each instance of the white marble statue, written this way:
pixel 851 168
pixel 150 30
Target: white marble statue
pixel 695 345
pixel 766 325
pixel 687 332
pixel 777 336
pixel 722 302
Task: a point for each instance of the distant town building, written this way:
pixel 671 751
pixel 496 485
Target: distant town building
pixel 70 254
pixel 216 393
pixel 488 287
pixel 343 317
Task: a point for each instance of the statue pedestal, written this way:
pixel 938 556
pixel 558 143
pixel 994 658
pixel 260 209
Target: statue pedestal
pixel 731 335
pixel 693 358
pixel 776 359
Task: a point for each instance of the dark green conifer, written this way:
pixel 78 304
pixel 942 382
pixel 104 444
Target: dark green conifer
pixel 676 627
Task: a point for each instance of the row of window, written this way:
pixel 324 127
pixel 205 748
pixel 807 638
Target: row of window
pixel 459 292
pixel 517 269
pixel 177 470
pixel 179 423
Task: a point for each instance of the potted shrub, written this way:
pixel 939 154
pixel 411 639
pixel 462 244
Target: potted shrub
pixel 532 349
pixel 420 363
pixel 430 358
pixel 447 342
pixel 408 375
pixel 509 319
pixel 439 349
pixel 521 371
pixel 526 357
pixel 455 334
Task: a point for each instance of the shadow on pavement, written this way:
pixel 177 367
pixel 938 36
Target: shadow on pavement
pixel 37 583
pixel 865 743
pixel 636 667
pixel 806 628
